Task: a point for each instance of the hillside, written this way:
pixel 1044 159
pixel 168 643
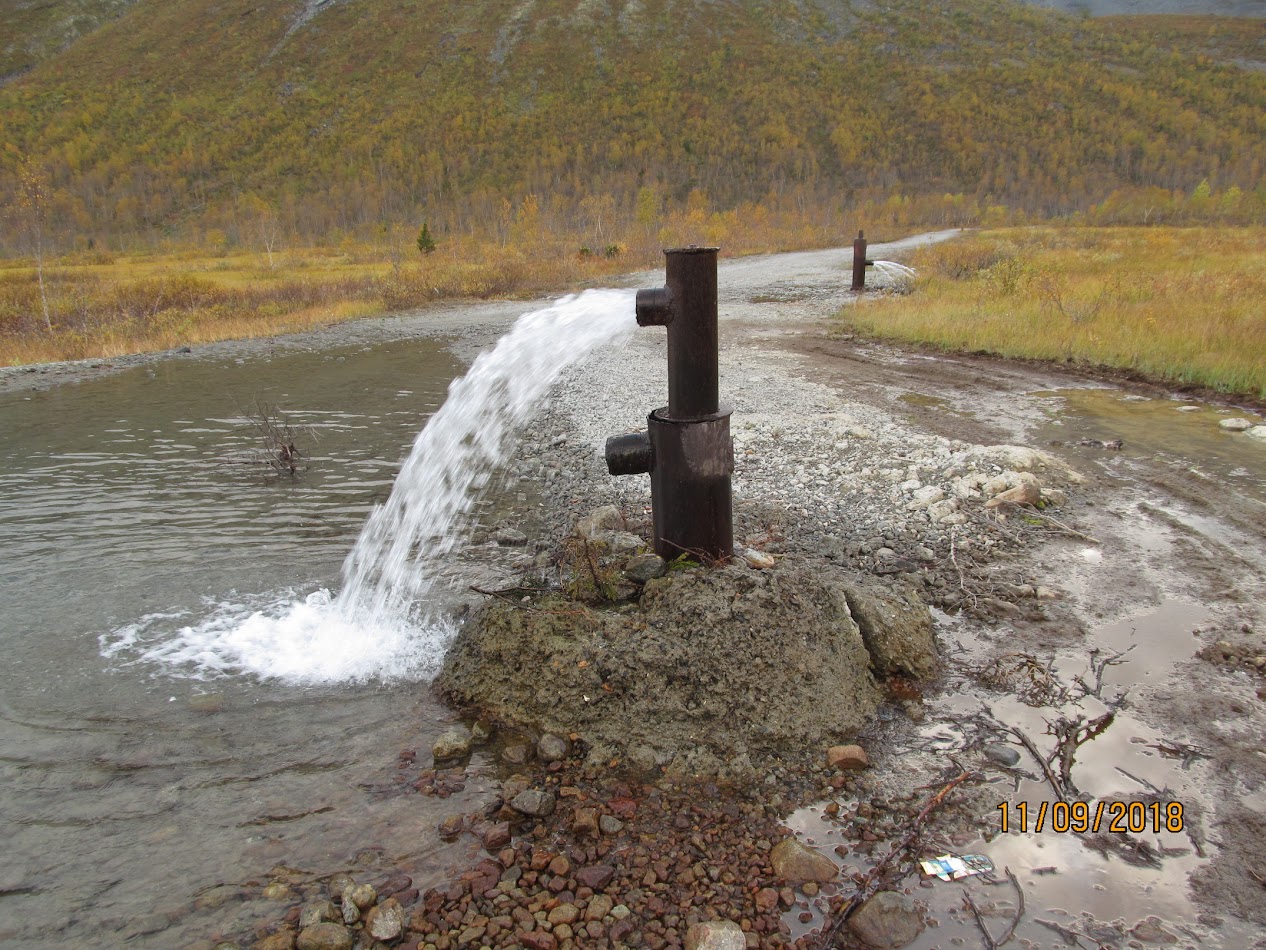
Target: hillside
pixel 187 118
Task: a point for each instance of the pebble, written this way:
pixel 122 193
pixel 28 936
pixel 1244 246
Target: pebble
pixel 796 863
pixel 1002 754
pixel 534 802
pixel 847 757
pixel 325 937
pixel 453 744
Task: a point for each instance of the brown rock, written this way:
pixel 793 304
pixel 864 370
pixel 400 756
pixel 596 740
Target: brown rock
pixel 452 826
pixel 283 940
pixel 536 940
pixel 766 899
pixel 795 863
pixel 498 836
pixel 1028 492
pixel 887 921
pixel 599 906
pixel 716 935
pixel 847 757
pixel 385 921
pixel 564 914
pixel 596 876
pixel 585 821
pixel 325 937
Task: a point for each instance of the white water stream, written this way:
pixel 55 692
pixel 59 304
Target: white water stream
pixel 382 625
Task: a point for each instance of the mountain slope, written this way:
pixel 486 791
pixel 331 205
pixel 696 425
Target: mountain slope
pixel 183 115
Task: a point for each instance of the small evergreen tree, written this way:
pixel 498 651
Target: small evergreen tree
pixel 426 243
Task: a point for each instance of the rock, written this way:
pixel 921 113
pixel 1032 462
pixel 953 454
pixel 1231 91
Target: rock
pixel 595 876
pixel 1045 593
pixel 1150 930
pixel 282 940
pixel 564 914
pixel 510 538
pixel 758 560
pixel 480 732
pixel 325 937
pixel 360 895
pixel 585 822
pixel 318 912
pixel 1257 432
pixel 1019 458
pixel 622 542
pixel 337 885
pixel 610 825
pixel 551 748
pixel 1028 492
pixel 497 837
pixel 599 906
pixel 896 627
pixel 277 891
pixel 1236 425
pixel 1188 408
pixel 766 899
pixel 536 940
pixel 451 827
pixel 600 521
pixel 795 863
pixel 1002 754
pixel 844 757
pixel 385 921
pixel 715 935
pixel 535 802
pixel 351 913
pixel 645 567
pixel 763 691
pixel 516 753
pixel 887 921
pixel 453 744
pixel 925 496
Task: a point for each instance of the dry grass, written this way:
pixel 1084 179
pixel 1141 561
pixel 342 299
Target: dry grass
pixel 108 307
pixel 105 306
pixel 1180 305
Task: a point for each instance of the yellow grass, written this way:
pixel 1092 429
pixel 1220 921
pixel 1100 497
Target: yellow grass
pixel 112 306
pixel 1180 305
pixel 103 306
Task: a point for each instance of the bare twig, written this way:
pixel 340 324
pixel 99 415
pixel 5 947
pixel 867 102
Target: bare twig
pixel 962 583
pixel 1055 522
pixel 865 888
pixel 980 922
pixel 1055 783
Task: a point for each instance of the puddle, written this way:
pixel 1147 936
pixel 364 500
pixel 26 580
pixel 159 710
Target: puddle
pixel 1153 429
pixel 1097 886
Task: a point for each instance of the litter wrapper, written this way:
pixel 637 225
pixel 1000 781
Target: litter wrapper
pixel 952 867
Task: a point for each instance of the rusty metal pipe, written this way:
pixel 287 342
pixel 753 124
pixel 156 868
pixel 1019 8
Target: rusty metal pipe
pixel 630 454
pixel 860 263
pixel 687 447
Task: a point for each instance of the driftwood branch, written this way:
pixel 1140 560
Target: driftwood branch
pixel 868 884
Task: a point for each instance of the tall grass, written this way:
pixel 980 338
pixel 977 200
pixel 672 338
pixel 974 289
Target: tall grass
pixel 1179 305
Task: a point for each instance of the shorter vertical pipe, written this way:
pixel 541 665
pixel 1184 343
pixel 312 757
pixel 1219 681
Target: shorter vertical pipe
pixel 859 261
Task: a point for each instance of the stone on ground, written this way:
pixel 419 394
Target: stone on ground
pixel 887 921
pixel 896 627
pixel 325 937
pixel 715 935
pixel 795 863
pixel 847 757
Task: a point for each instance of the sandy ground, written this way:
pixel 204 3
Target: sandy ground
pixel 1156 572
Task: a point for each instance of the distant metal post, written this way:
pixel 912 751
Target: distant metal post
pixel 859 262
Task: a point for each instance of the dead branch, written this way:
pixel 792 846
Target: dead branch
pixel 1055 783
pixel 866 888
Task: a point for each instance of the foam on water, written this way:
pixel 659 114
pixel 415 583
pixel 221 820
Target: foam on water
pixel 382 625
